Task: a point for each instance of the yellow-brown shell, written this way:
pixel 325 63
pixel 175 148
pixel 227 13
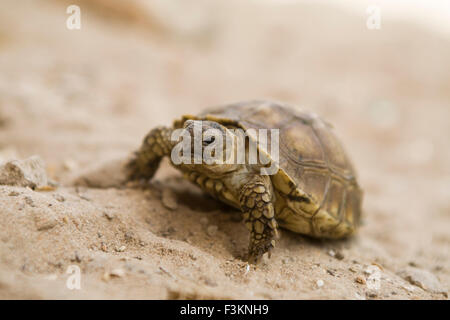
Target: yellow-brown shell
pixel 316 188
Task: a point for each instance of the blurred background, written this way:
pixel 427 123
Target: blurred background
pixel 78 97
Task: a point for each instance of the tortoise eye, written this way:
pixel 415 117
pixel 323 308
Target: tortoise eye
pixel 209 140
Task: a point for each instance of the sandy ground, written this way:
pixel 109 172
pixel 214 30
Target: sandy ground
pixel 79 99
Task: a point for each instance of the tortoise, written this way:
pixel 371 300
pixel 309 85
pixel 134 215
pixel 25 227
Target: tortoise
pixel 313 190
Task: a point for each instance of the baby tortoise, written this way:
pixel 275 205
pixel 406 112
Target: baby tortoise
pixel 313 192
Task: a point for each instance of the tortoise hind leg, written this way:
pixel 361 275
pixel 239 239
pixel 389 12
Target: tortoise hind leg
pixel 146 160
pixel 256 202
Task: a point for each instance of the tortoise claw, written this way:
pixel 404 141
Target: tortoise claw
pixel 135 170
pixel 257 250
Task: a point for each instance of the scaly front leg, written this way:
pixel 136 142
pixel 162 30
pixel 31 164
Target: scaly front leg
pixel 256 198
pixel 155 146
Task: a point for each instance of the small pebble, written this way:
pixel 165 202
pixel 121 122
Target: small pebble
pixel 59 197
pixel 76 258
pixel 44 219
pixel 319 283
pixel 129 235
pixel 353 269
pixel 331 272
pixel 422 279
pixel 210 282
pixel 371 269
pixel 29 202
pixel 117 272
pixel 82 196
pixel 108 215
pixel 212 230
pixel 339 255
pixel 121 249
pixel 408 288
pixel 360 280
pixel 331 253
pixel 24 173
pixel 247 268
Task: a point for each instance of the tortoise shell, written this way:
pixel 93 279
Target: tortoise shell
pixel 315 186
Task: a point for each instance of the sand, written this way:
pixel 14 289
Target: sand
pixel 84 99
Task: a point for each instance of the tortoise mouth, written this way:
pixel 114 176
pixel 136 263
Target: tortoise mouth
pixel 212 170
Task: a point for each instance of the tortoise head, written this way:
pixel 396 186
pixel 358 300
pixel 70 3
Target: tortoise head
pixel 207 146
